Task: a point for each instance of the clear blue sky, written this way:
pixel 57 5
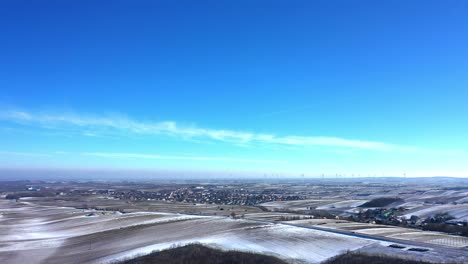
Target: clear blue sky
pixel 348 87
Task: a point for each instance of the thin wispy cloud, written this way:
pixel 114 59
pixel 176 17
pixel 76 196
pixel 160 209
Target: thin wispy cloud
pixel 24 154
pixel 169 157
pixel 101 125
pixel 139 156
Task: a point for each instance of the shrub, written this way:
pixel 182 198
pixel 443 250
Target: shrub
pixel 199 254
pixel 360 258
pixel 381 202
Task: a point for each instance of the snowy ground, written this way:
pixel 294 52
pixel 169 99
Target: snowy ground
pixel 47 234
pixel 342 204
pixel 459 211
pixel 386 231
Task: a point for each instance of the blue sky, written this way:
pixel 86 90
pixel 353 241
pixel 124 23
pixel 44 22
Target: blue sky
pixel 290 87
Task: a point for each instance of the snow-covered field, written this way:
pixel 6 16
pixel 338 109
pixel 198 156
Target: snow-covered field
pixel 409 234
pixel 46 234
pixel 459 211
pixel 282 241
pixel 342 204
pixel 300 204
pixel 420 203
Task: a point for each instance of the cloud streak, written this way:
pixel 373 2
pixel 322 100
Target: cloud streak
pixel 123 155
pixel 101 125
pixel 170 157
pixel 24 154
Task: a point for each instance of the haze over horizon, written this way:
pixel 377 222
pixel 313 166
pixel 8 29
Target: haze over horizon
pixel 322 87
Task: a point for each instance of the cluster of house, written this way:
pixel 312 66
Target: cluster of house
pixel 205 196
pixel 380 216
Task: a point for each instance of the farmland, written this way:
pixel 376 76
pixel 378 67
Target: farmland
pixel 92 225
